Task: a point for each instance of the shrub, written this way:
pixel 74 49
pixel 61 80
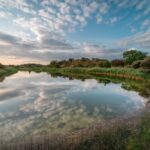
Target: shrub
pixel 2 66
pixel 145 64
pixel 104 63
pixel 117 63
pixel 136 64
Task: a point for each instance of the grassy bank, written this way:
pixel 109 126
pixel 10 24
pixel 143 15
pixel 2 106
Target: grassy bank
pixel 129 78
pixel 143 88
pixel 6 71
pixel 126 136
pixel 118 72
pixel 127 73
pixel 126 76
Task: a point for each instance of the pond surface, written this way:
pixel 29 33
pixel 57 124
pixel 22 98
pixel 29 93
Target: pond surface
pixel 32 103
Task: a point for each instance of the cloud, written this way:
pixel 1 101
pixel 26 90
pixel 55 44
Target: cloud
pixel 50 45
pixel 99 18
pixel 139 40
pixel 59 16
pixel 103 8
pixel 146 23
pixel 41 28
pixel 5 14
pixel 42 49
pixel 11 44
pixel 96 50
pixel 141 5
pixel 8 38
pixel 113 20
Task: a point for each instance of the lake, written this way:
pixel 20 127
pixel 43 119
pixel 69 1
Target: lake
pixel 37 103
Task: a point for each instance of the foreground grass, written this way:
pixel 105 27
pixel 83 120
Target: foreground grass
pixel 120 134
pixel 140 139
pixel 122 137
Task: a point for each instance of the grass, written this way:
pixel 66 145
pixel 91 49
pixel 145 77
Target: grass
pixel 140 139
pixel 143 88
pixel 128 73
pixel 118 134
pixel 114 72
pixel 7 71
pixel 123 137
pixel 126 76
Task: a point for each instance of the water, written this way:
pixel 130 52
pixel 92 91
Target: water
pixel 32 104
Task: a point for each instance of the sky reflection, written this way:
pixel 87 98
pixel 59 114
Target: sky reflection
pixel 37 103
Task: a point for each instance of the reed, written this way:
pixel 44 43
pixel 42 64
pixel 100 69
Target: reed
pixel 127 73
pixel 115 134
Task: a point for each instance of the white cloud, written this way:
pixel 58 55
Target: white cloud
pixel 103 8
pixel 113 20
pixel 45 25
pixel 146 23
pixel 5 14
pixel 99 18
pixel 139 40
pixel 141 5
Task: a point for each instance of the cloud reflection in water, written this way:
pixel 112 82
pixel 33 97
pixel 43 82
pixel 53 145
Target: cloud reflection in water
pixel 37 103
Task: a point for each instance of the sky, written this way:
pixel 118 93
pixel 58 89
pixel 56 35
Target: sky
pixel 38 31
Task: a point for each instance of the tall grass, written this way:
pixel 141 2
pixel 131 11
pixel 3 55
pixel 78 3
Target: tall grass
pixel 118 134
pixel 127 73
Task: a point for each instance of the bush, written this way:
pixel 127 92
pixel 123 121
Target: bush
pixel 136 64
pixel 2 66
pixel 117 63
pixel 104 63
pixel 145 64
pixel 83 62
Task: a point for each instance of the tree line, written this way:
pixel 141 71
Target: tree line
pixel 131 58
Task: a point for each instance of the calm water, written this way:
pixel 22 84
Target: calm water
pixel 38 103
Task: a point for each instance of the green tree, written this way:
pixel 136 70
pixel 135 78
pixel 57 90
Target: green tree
pixel 133 55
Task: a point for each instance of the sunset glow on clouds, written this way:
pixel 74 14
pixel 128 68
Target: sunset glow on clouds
pixel 40 31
